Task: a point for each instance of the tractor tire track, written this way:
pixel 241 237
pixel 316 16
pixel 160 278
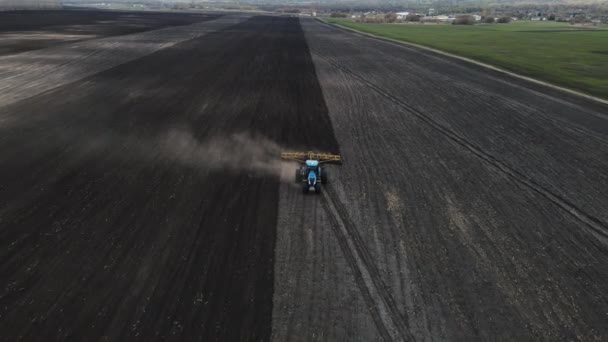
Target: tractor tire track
pixel 595 225
pixel 483 256
pixel 518 106
pixel 496 96
pixel 382 306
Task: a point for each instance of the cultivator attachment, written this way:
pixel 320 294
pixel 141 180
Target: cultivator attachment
pixel 311 174
pixel 322 158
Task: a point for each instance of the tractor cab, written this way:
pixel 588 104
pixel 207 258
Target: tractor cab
pixel 310 173
pixel 312 166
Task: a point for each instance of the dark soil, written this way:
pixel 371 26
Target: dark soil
pixel 471 205
pixel 31 30
pixel 103 235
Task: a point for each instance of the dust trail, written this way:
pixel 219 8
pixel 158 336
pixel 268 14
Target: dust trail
pixel 242 152
pixel 238 152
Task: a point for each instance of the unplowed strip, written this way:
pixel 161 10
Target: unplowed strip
pixel 596 226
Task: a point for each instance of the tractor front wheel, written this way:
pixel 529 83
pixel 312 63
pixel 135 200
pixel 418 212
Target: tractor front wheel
pixel 298 176
pixel 317 188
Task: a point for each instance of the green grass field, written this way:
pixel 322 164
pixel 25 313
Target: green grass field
pixel 559 53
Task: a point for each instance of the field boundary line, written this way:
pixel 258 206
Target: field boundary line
pixel 598 227
pixel 472 61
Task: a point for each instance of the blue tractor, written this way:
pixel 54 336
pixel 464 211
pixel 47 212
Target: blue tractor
pixel 311 174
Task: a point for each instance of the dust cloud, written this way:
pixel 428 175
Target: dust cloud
pixel 237 152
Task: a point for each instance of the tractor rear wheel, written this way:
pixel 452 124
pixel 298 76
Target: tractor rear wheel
pixel 305 188
pixel 324 177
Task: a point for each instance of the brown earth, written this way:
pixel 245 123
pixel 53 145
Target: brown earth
pixel 146 202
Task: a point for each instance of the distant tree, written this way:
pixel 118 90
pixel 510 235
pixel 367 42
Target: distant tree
pixel 504 20
pixel 465 19
pixel 488 20
pixel 371 20
pixel 390 18
pixel 338 15
pixel 551 17
pixel 579 19
pixel 412 17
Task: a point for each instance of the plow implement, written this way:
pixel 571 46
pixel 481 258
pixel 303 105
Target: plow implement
pixel 310 173
pixel 302 157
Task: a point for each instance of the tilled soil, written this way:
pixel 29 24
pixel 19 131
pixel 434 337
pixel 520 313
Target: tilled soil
pixel 115 220
pixel 22 31
pixel 143 200
pixel 31 73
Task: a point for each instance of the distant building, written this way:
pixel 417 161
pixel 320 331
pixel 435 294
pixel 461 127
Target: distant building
pixel 477 17
pixel 402 15
pixel 438 18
